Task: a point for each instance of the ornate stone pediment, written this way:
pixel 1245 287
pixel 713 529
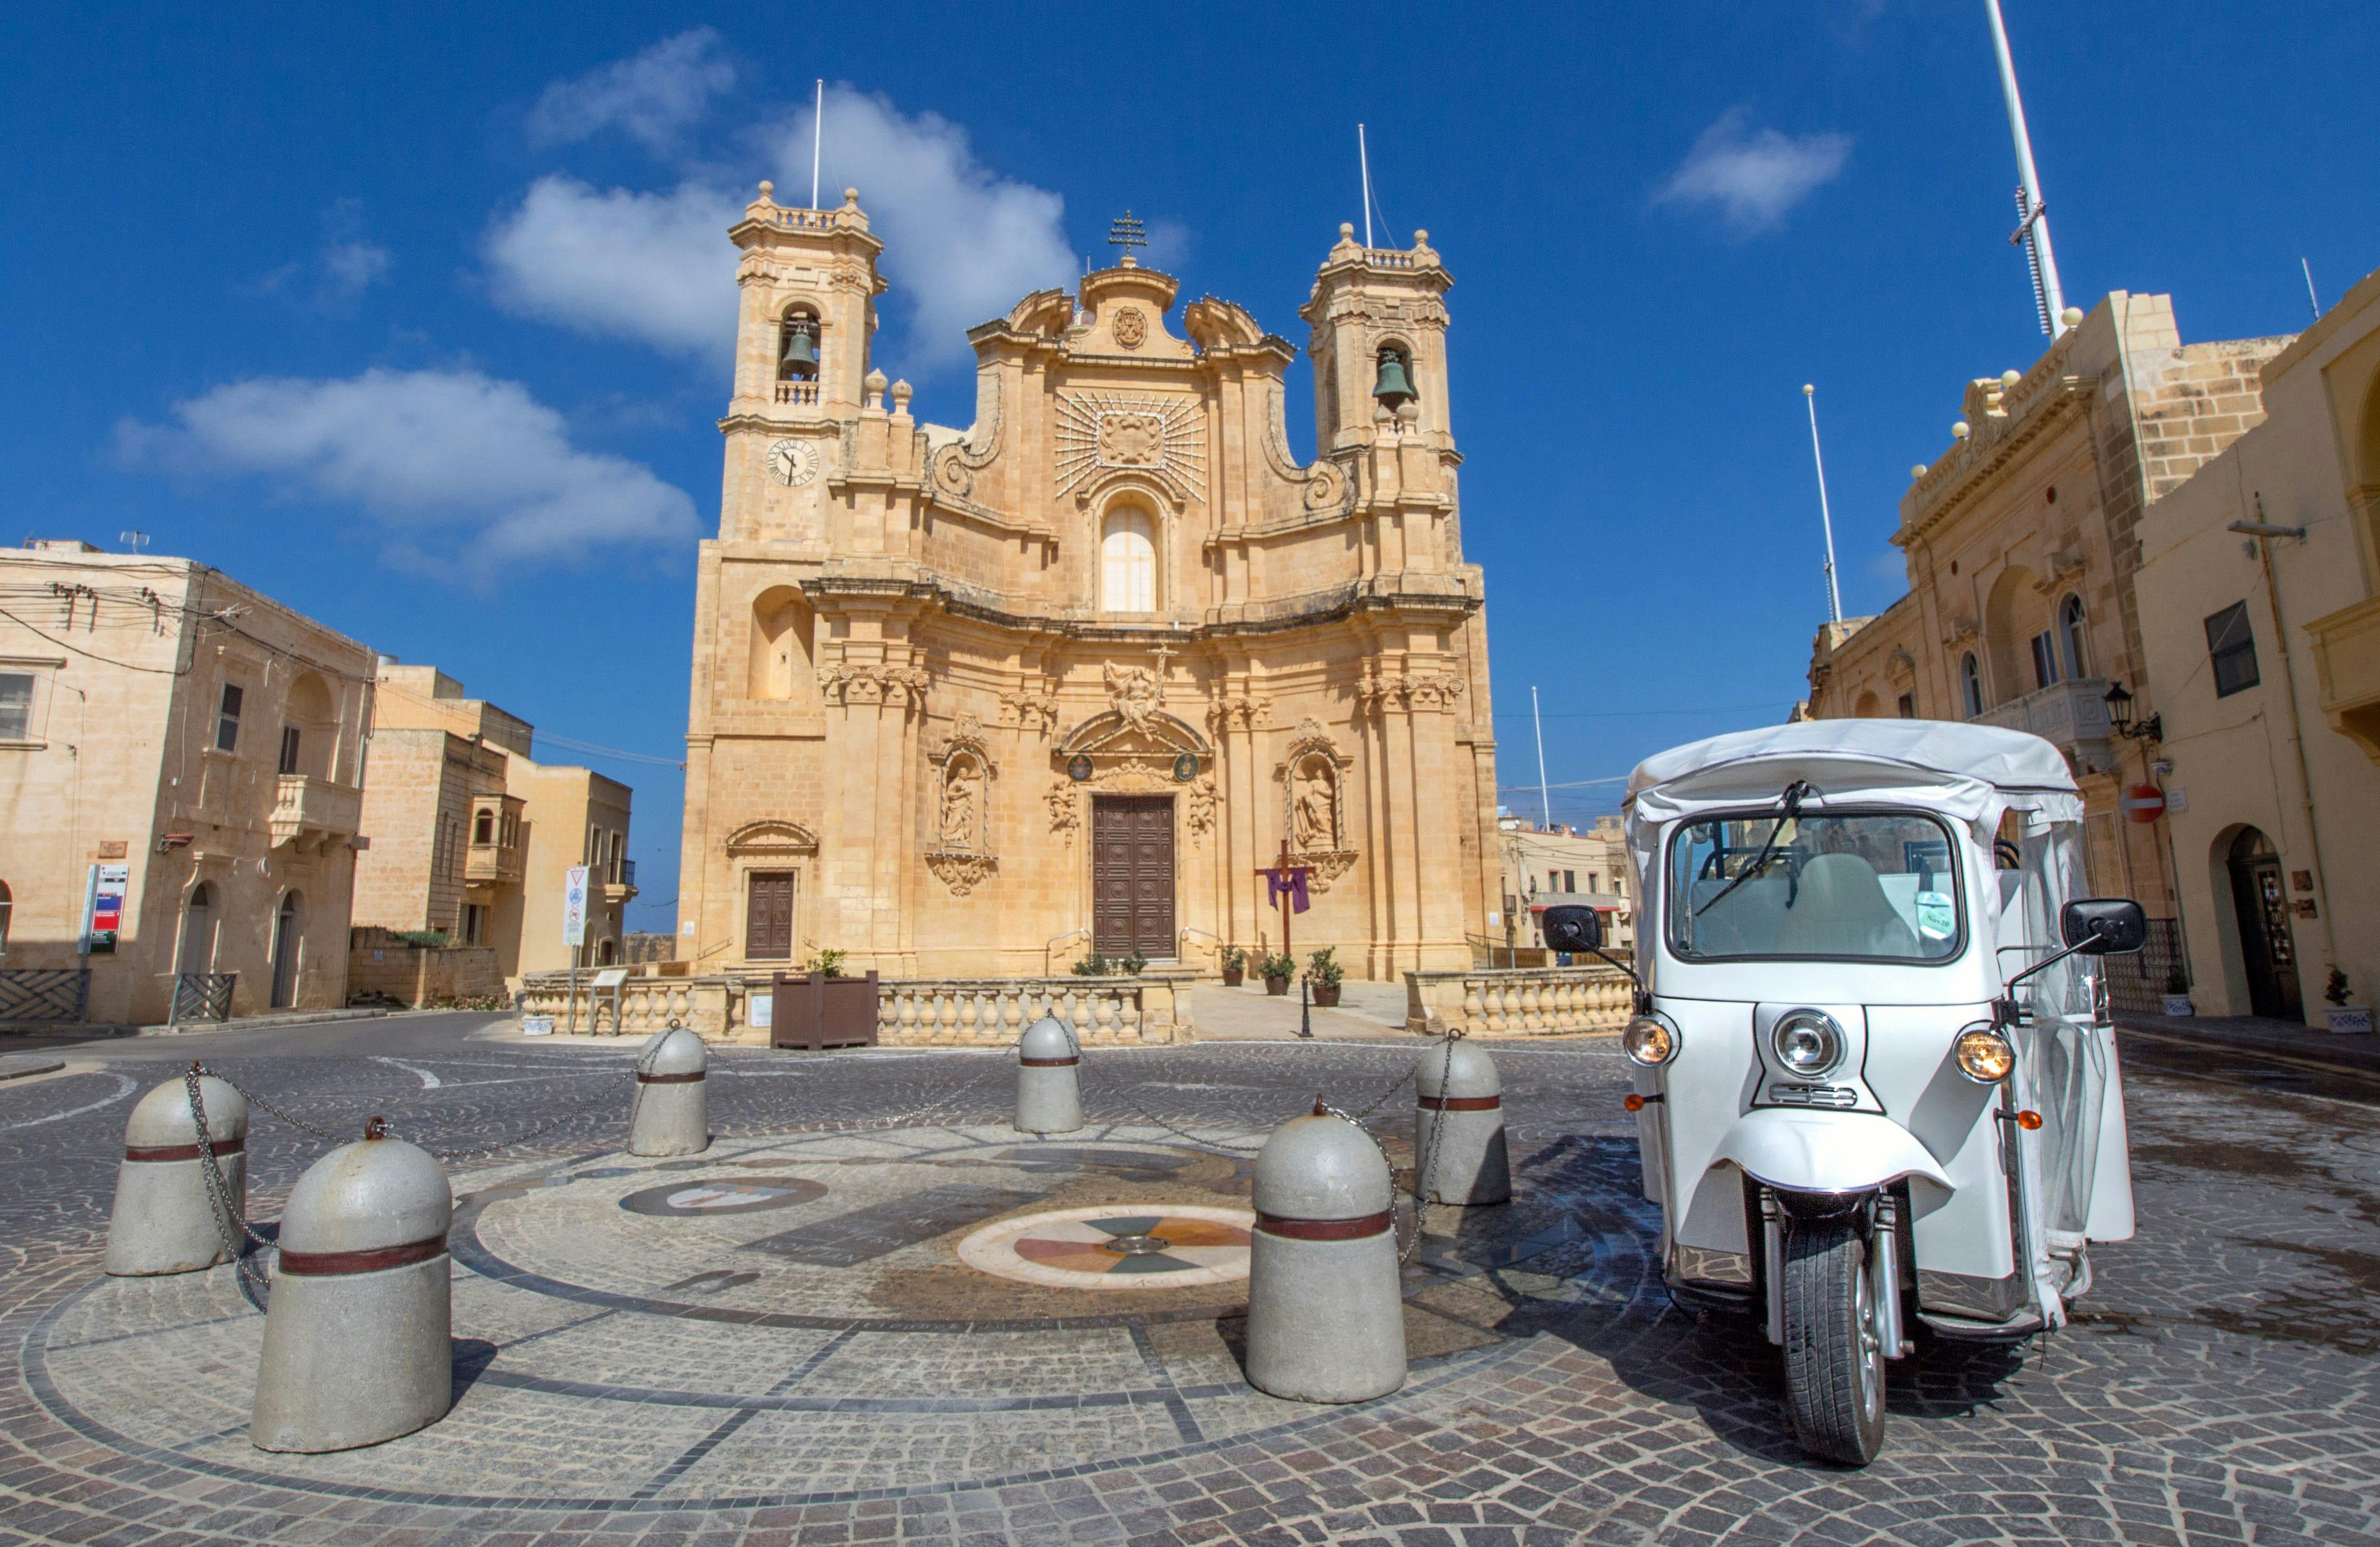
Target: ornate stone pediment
pixel 771 835
pixel 1154 736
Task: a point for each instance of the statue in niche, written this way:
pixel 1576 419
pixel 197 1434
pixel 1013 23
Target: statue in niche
pixel 1314 809
pixel 961 801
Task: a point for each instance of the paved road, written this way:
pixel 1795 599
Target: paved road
pixel 2222 1384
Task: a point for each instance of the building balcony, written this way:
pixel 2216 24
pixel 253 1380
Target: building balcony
pixel 312 814
pixel 492 863
pixel 2070 716
pixel 2347 672
pixel 622 884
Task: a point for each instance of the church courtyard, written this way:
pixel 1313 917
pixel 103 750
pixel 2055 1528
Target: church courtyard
pixel 872 1311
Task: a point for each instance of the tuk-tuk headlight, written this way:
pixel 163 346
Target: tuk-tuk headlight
pixel 1648 1042
pixel 1985 1056
pixel 1807 1042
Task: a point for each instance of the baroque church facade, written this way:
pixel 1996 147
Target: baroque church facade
pixel 972 703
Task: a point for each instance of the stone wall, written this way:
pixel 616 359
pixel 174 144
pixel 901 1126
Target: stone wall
pixel 1526 1002
pixel 378 962
pixel 910 1012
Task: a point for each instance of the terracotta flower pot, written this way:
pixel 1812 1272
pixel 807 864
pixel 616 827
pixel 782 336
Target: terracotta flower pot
pixel 1325 996
pixel 1276 985
pixel 1234 976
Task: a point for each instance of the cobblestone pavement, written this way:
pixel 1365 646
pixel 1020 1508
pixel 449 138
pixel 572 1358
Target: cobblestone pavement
pixel 776 1342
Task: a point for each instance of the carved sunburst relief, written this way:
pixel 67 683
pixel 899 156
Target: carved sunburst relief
pixel 1163 436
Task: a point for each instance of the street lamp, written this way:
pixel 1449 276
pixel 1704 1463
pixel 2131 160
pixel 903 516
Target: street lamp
pixel 2120 714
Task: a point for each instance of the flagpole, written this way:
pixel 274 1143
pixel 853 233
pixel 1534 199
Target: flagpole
pixel 2036 217
pixel 1826 517
pixel 818 135
pixel 1364 159
pixel 1544 791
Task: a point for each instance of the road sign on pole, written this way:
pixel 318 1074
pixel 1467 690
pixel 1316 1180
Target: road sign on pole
pixel 574 907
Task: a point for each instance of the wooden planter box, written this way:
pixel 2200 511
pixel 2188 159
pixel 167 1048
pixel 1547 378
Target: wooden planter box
pixel 815 1012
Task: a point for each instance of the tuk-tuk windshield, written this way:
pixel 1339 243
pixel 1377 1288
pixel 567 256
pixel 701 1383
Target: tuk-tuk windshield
pixel 1871 886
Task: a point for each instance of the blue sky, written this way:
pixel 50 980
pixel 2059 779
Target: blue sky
pixel 417 319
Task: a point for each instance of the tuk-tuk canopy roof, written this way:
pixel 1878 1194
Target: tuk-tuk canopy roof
pixel 1957 768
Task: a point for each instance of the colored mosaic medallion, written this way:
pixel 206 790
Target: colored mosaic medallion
pixel 1107 1248
pixel 724 1195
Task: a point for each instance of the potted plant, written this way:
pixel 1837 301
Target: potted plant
pixel 1277 971
pixel 1093 966
pixel 2177 993
pixel 1135 962
pixel 2344 1015
pixel 1324 974
pixel 826 964
pixel 820 1007
pixel 1236 966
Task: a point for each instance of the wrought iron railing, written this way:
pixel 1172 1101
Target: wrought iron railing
pixel 2140 980
pixel 44 993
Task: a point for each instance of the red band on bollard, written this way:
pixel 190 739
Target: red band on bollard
pixel 1327 1229
pixel 668 1080
pixel 1047 1063
pixel 183 1151
pixel 1459 1103
pixel 325 1264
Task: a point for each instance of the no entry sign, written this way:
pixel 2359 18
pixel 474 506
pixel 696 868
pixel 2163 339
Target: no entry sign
pixel 2144 802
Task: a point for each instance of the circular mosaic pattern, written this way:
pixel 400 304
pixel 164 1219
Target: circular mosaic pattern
pixel 722 1195
pixel 1112 1247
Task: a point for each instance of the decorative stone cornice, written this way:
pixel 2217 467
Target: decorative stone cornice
pixel 849 685
pixel 1413 691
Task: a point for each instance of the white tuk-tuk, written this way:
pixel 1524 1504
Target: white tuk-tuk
pixel 1876 1078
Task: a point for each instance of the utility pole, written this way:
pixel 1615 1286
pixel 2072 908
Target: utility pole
pixel 2033 211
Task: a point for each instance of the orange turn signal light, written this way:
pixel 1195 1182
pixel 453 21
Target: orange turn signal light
pixel 1634 1103
pixel 2028 1120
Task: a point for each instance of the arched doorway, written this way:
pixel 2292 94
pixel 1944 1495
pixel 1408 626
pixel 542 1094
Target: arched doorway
pixel 198 930
pixel 2260 902
pixel 287 934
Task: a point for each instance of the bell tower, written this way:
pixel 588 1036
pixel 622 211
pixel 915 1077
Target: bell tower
pixel 1378 344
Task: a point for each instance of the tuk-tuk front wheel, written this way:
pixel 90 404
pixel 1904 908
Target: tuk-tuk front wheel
pixel 1834 1358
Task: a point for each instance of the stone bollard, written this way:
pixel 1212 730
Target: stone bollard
pixel 356 1336
pixel 1049 1080
pixel 165 1221
pixel 1326 1317
pixel 672 1114
pixel 1459 1127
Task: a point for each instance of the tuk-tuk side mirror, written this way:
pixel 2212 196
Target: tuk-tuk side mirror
pixel 1573 927
pixel 2104 926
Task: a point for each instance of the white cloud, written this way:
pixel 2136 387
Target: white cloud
pixel 1754 176
pixel 342 271
pixel 450 462
pixel 652 97
pixel 962 244
pixel 655 267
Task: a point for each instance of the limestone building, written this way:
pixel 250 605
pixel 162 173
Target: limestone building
pixel 2257 601
pixel 473 838
pixel 971 701
pixel 180 763
pixel 2023 543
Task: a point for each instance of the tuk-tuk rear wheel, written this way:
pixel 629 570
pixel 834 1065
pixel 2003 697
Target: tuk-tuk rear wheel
pixel 1834 1360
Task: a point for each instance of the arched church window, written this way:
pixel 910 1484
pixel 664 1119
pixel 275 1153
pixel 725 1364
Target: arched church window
pixel 798 345
pixel 2073 637
pixel 1971 683
pixel 1128 562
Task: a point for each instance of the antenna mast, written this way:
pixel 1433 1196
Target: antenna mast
pixel 2033 214
pixel 1826 517
pixel 818 135
pixel 2310 297
pixel 1545 790
pixel 1364 159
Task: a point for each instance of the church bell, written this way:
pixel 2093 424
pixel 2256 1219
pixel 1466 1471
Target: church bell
pixel 800 358
pixel 1395 385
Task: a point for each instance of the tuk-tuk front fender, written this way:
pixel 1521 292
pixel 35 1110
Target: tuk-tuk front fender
pixel 1825 1152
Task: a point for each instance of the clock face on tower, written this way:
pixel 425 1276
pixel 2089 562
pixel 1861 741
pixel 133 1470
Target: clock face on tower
pixel 793 462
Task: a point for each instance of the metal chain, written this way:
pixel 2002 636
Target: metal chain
pixel 228 1218
pixel 255 1100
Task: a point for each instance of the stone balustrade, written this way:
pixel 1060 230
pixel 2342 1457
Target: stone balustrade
pixel 931 1012
pixel 1523 1002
